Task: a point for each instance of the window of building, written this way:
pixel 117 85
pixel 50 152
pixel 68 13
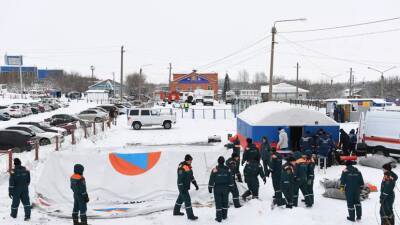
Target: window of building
pixel 209 87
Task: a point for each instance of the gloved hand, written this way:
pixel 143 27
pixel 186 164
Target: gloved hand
pixel 195 184
pixel 86 198
pixel 265 180
pixel 341 188
pixel 239 178
pixel 210 190
pixel 10 195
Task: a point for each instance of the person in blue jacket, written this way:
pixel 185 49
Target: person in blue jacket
pixel 81 197
pixel 306 141
pixel 18 189
pixel 325 147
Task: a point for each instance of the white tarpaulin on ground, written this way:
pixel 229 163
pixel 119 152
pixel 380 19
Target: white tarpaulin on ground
pixel 123 183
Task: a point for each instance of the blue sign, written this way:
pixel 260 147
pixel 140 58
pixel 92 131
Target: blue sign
pixel 14 69
pixel 194 80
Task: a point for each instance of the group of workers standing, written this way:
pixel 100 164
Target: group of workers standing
pixel 288 179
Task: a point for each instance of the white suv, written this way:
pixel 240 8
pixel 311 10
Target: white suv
pixel 148 117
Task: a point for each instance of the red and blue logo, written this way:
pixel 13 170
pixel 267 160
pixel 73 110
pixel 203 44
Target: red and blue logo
pixel 132 164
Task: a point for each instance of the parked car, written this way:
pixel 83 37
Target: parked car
pixel 122 109
pixel 43 137
pixel 40 108
pixel 93 115
pixel 4 109
pixel 109 107
pixel 17 140
pixel 68 122
pixel 25 108
pixel 4 116
pixel 46 127
pixel 100 109
pixel 149 117
pixel 15 111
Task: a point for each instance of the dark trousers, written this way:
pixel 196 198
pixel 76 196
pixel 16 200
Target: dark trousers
pixel 184 197
pixel 353 203
pixel 221 196
pixel 253 188
pixel 304 188
pixel 235 194
pixel 287 190
pixel 80 208
pixel 23 197
pixel 276 184
pixel 310 187
pixel 386 212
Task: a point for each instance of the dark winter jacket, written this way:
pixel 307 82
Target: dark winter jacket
pixel 306 143
pixel 220 178
pixel 351 179
pixel 251 172
pixel 234 167
pixel 185 176
pixel 287 176
pixel 251 154
pixel 20 179
pixel 387 187
pixel 325 145
pixel 78 183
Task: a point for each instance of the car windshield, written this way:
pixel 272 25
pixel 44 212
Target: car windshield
pixel 208 97
pixel 44 125
pixel 36 129
pixel 14 107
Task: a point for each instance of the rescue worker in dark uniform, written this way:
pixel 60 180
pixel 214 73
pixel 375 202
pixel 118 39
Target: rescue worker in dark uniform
pixel 81 198
pixel 287 181
pixel 275 168
pixel 18 189
pixel 306 141
pixel 185 177
pixel 301 179
pixel 344 142
pixel 265 153
pixel 251 153
pixel 310 174
pixel 251 171
pixel 221 181
pixel 233 164
pixel 353 141
pixel 236 147
pixel 387 195
pixel 352 182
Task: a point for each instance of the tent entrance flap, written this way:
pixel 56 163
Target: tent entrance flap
pixel 294 140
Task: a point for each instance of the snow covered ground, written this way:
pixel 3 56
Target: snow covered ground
pixel 187 131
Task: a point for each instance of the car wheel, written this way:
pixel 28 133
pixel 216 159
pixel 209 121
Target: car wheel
pixel 167 125
pixel 44 141
pixel 136 126
pixel 97 120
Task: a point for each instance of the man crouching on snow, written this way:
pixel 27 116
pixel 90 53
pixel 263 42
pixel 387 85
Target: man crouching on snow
pixel 81 198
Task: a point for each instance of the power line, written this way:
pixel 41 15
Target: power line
pixel 342 26
pixel 347 36
pixel 212 63
pixel 256 53
pixel 326 55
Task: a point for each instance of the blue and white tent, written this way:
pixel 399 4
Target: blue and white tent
pixel 265 119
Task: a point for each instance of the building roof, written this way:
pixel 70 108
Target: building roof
pixel 282 88
pixel 283 114
pixel 97 91
pixel 102 82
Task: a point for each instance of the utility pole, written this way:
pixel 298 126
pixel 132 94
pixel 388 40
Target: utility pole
pixel 382 78
pixel 140 82
pixel 92 68
pixel 350 83
pixel 170 74
pixel 122 72
pixel 271 66
pixel 297 81
pixel 113 84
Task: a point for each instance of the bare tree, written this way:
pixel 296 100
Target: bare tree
pixel 134 81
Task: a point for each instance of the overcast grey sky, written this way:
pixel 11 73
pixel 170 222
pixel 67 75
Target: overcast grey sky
pixel 73 35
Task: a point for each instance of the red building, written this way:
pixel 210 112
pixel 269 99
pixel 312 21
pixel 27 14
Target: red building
pixel 192 81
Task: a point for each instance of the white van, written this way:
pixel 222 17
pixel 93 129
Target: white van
pixel 379 131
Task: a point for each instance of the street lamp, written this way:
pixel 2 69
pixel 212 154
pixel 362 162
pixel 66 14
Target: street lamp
pixel 271 67
pixel 140 78
pixel 331 77
pixel 382 78
pixel 92 68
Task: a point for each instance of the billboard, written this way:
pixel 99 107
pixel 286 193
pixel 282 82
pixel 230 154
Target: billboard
pixel 13 60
